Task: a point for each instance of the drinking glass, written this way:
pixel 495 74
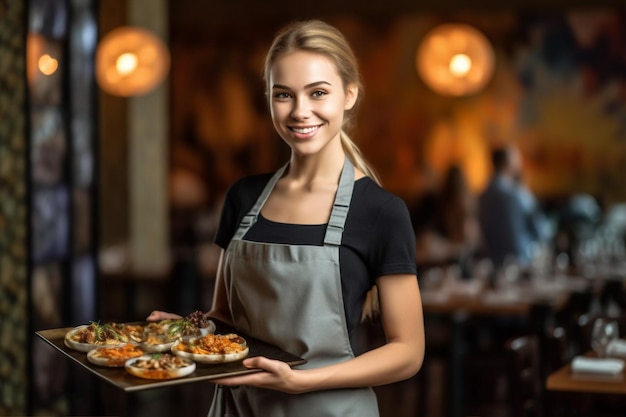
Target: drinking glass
pixel 603 333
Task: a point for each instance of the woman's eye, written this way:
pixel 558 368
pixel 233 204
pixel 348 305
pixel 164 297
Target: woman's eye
pixel 282 96
pixel 319 93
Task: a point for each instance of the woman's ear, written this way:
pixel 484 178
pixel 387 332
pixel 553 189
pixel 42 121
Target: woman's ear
pixel 352 93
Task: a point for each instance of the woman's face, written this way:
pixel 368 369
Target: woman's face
pixel 308 100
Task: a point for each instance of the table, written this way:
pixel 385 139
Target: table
pixel 129 383
pixel 459 299
pixel 473 297
pixel 564 380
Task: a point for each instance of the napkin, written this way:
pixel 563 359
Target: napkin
pixel 601 366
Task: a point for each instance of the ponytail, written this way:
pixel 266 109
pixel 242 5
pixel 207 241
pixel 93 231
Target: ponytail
pixel 371 305
pixel 356 157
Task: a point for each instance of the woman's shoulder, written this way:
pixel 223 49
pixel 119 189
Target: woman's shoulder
pixel 369 197
pixel 241 195
pixel 239 199
pixel 368 190
pixel 251 181
pixel 248 187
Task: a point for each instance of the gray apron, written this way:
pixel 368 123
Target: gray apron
pixel 290 296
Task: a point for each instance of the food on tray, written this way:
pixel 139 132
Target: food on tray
pixel 132 330
pixel 114 356
pixel 151 337
pixel 200 319
pixel 212 344
pixel 96 333
pixel 160 366
pixel 160 336
pixel 86 337
pixel 194 324
pixel 213 348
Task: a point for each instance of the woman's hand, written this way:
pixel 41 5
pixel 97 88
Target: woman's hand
pixel 158 315
pixel 276 375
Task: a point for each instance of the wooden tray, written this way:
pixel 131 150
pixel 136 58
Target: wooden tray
pixel 127 382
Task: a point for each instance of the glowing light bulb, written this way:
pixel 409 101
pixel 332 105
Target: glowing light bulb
pixel 460 65
pixel 131 61
pixel 455 60
pixel 126 63
pixel 47 64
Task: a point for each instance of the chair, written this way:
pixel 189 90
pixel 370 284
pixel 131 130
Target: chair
pixel 555 354
pixel 524 376
pixel 578 304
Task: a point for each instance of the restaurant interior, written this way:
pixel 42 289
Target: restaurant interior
pixel 113 174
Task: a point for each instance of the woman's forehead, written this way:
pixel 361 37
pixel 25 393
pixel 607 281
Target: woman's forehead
pixel 301 68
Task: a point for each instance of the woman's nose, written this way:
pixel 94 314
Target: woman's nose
pixel 300 110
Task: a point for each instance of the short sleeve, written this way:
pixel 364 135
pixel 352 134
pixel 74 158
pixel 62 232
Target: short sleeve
pixel 394 242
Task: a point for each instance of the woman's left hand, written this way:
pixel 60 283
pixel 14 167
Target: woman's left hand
pixel 276 375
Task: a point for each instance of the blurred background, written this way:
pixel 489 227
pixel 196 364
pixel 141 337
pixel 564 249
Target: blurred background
pixel 113 172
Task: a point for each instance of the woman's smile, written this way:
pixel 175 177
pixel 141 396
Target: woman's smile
pixel 305 132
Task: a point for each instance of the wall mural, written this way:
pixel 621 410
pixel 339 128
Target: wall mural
pixel 559 91
pixel 572 115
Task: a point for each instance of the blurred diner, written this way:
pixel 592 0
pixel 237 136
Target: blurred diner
pixel 512 223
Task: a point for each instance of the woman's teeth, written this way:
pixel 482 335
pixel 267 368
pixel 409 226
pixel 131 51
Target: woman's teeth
pixel 304 129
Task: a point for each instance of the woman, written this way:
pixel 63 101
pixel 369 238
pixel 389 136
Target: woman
pixel 302 247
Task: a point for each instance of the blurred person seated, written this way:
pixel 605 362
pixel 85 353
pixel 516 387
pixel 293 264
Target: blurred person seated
pixel 452 234
pixel 511 222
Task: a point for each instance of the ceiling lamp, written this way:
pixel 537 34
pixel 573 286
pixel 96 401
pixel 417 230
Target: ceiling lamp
pixel 455 60
pixel 131 61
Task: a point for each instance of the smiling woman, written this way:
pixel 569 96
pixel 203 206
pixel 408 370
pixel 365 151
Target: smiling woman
pixel 302 247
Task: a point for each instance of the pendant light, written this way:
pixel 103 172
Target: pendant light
pixel 131 61
pixel 455 60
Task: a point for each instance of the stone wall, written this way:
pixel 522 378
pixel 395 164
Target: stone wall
pixel 14 323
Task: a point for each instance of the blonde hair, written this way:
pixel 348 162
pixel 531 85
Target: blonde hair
pixel 320 37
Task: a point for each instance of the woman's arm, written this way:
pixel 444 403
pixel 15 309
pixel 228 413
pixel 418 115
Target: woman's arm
pixel 399 358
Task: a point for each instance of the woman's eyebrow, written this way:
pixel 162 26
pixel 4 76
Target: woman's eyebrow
pixel 311 85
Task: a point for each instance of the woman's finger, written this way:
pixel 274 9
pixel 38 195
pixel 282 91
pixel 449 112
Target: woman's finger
pixel 157 315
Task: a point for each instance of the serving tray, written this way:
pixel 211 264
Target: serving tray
pixel 130 383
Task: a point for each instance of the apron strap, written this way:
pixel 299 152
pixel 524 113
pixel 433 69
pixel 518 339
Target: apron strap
pixel 341 206
pixel 251 218
pixel 338 215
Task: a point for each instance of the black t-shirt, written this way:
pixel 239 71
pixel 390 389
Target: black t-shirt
pixel 378 238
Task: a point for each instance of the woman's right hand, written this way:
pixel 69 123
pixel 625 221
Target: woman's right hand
pixel 158 315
